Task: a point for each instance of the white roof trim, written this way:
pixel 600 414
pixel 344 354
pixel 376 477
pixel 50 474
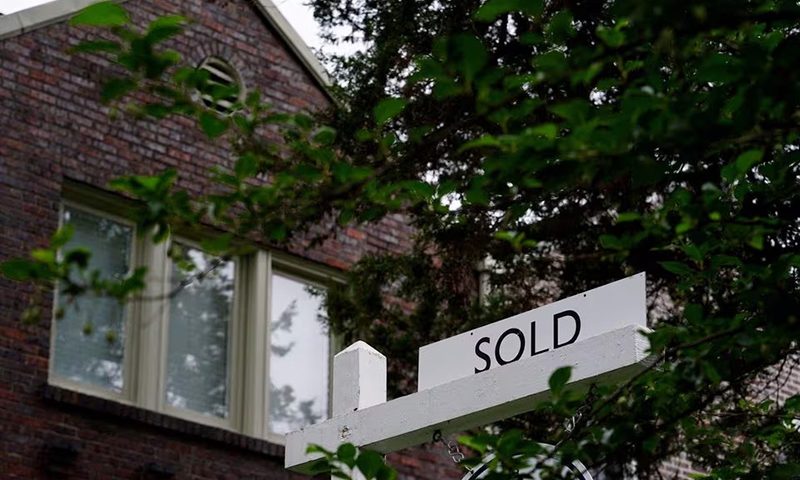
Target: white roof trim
pixel 55 11
pixel 39 16
pixel 292 38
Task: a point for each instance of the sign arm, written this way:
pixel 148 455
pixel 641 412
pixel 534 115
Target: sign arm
pixel 473 401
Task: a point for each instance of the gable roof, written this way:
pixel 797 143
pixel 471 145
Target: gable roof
pixel 56 11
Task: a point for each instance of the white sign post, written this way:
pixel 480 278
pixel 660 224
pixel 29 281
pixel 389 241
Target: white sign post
pixel 598 333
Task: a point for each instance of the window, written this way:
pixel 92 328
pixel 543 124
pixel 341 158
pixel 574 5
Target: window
pixel 223 89
pixel 299 352
pixel 87 349
pixel 235 343
pixel 199 323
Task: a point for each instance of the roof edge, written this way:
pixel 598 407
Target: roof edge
pixel 276 19
pixel 32 18
pixel 55 11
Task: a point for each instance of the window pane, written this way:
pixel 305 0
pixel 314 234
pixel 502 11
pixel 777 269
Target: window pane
pixel 299 355
pixel 90 337
pixel 197 355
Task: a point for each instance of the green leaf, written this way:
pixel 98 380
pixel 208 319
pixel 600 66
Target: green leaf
pixel 611 242
pixel 749 158
pixel 575 111
pixel 369 463
pixel 546 130
pixel 94 46
pixel 719 68
pixel 477 194
pixel 693 312
pixel 212 124
pixel 559 379
pixel 44 255
pixel 388 108
pixel 103 14
pixel 474 442
pixel 693 251
pixel 386 473
pixel 678 268
pixel 325 136
pixel 487 140
pixel 554 64
pixel 492 9
pixel 344 172
pixel 314 448
pixel 347 454
pixel 320 466
pixel 62 236
pixel 470 55
pixel 168 21
pixel 625 217
pixel 560 27
pixel 79 257
pixel 650 444
pixel 756 241
pixel 246 166
pixel 17 269
pixel 87 329
pixel 116 88
pixel 612 37
pixel 218 244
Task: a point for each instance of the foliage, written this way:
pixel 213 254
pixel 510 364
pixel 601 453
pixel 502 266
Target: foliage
pixel 347 460
pixel 576 143
pixel 561 145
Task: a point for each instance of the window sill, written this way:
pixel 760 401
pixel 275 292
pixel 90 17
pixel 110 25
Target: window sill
pixel 118 410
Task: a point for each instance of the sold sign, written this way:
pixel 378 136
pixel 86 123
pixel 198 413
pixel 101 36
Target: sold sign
pixel 544 329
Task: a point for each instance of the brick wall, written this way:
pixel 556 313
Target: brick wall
pixel 52 129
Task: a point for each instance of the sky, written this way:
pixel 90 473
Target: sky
pixel 299 16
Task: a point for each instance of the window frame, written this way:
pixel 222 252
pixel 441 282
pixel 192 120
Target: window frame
pixel 230 422
pixel 147 323
pixel 125 396
pixel 311 277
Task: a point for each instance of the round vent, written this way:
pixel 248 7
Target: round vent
pixel 224 88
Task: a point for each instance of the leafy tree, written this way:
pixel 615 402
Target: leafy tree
pixel 561 144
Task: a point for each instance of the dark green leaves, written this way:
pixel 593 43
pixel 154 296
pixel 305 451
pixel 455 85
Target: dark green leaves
pixel 347 454
pixel 95 46
pixel 742 164
pixel 102 14
pixel 560 27
pixel 347 459
pixel 212 124
pixel 558 380
pixel 165 27
pixel 370 463
pixel 116 88
pixel 18 269
pixel 492 9
pixel 678 268
pixel 469 54
pixel 613 37
pixel 388 108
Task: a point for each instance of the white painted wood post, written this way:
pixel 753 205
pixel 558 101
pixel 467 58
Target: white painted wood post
pixel 359 381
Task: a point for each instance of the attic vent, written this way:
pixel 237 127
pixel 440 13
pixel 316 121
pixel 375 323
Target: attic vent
pixel 224 88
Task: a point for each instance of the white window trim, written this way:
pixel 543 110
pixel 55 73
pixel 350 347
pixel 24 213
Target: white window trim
pixel 147 331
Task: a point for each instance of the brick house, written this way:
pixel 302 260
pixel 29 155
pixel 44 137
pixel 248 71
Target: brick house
pixel 154 393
